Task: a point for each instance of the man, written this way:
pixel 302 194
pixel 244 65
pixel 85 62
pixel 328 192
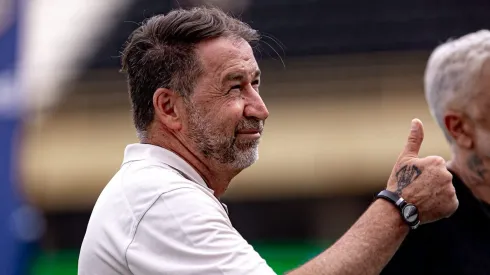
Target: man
pixel 194 87
pixel 457 88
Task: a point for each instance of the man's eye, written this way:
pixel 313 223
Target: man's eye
pixel 255 83
pixel 236 87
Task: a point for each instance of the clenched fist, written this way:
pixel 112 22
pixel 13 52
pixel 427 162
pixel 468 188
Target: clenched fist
pixel 424 182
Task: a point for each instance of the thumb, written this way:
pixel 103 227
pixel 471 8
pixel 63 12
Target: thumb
pixel 415 139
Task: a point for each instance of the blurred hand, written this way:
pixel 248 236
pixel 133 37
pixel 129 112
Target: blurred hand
pixel 424 182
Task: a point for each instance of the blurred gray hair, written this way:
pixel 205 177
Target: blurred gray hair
pixel 453 72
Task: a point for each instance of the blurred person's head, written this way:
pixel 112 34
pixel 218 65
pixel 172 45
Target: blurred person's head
pixel 457 87
pixel 193 83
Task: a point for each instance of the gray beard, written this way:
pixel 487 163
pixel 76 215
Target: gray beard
pixel 213 144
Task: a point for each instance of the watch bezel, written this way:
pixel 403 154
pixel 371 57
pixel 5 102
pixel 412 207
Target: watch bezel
pixel 413 224
pixel 401 204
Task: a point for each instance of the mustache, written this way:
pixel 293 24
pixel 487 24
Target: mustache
pixel 250 124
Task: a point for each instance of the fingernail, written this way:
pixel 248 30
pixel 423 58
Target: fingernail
pixel 414 124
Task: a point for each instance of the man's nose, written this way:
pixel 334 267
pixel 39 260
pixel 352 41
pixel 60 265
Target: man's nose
pixel 255 106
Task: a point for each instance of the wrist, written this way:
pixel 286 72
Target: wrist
pixel 391 215
pixel 408 212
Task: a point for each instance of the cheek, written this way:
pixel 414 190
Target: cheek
pixel 221 116
pixel 225 120
pixel 231 112
pixel 483 142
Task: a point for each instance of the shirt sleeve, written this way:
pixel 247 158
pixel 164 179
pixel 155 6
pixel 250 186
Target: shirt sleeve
pixel 187 232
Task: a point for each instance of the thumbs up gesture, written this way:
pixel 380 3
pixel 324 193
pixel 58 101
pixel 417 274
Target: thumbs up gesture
pixel 424 182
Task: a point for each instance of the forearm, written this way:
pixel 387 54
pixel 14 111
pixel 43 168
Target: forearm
pixel 366 248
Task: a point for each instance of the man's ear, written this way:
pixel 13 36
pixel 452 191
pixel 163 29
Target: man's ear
pixel 166 111
pixel 460 128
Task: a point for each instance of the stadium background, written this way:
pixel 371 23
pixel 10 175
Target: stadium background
pixel 342 80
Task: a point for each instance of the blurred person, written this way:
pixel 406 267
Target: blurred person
pixel 194 88
pixel 457 89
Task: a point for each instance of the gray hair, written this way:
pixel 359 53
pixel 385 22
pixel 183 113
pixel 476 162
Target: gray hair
pixel 452 76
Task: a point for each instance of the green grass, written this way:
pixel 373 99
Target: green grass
pixel 281 256
pixel 285 256
pixel 63 262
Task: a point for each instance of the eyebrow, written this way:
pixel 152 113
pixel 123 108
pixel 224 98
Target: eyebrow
pixel 239 76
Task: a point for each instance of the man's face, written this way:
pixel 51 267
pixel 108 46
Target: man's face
pixel 225 112
pixel 481 115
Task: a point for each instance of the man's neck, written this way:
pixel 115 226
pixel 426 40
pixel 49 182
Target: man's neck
pixel 216 179
pixel 479 183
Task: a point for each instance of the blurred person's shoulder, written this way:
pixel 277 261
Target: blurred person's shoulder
pixel 455 245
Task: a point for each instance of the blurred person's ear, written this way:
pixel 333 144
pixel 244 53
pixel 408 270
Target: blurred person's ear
pixel 167 111
pixel 460 128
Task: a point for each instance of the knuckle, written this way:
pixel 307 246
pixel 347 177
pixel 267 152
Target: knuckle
pixel 448 175
pixel 414 139
pixel 447 180
pixel 450 192
pixel 451 202
pixel 456 203
pixel 436 160
pixel 454 206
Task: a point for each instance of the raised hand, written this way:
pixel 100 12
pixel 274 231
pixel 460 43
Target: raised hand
pixel 424 182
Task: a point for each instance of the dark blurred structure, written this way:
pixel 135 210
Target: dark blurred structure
pixel 340 109
pixel 314 27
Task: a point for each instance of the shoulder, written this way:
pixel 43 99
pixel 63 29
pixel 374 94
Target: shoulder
pixel 185 209
pixel 142 183
pixel 154 190
pixel 192 234
pixel 151 173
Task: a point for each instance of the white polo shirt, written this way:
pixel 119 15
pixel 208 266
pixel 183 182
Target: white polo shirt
pixel 157 216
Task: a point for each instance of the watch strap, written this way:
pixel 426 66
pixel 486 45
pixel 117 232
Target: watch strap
pixel 408 212
pixel 392 197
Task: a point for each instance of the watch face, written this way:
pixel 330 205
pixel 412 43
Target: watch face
pixel 410 213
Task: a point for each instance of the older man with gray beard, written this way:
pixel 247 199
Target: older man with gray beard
pixel 457 88
pixel 194 85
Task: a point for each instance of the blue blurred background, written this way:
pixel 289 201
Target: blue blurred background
pixel 342 80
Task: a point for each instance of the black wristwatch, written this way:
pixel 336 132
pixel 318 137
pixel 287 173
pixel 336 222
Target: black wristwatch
pixel 408 211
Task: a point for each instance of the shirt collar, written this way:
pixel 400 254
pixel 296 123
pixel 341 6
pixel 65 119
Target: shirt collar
pixel 138 151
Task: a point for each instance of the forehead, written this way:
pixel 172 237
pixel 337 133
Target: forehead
pixel 222 55
pixel 482 98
